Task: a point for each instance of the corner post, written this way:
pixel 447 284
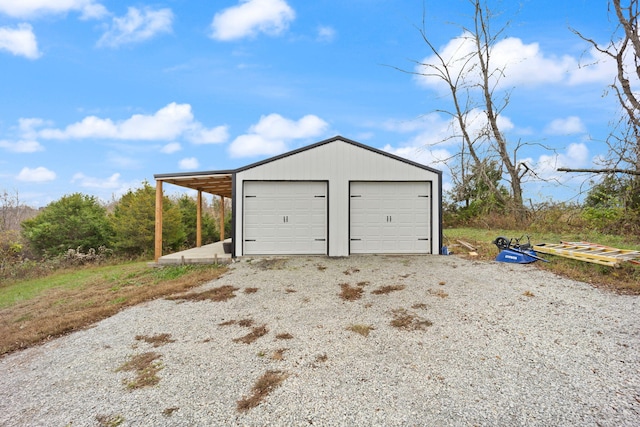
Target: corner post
pixel 158 236
pixel 221 218
pixel 199 219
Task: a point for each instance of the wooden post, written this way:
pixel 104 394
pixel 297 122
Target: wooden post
pixel 199 220
pixel 221 218
pixel 158 238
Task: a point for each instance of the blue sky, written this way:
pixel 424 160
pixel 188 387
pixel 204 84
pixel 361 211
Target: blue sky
pixel 99 96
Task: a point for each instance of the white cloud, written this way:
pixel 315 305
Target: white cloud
pixel 33 8
pixel 20 41
pixel 190 163
pixel 567 126
pixel 420 153
pixel 168 123
pixel 522 64
pixel 137 26
pixel 326 34
pixel 250 17
pixel 90 182
pixel 23 146
pixel 596 68
pixel 39 174
pixel 575 156
pixel 171 148
pixel 256 145
pixel 27 127
pixel 273 132
pixel 200 135
pixel 274 126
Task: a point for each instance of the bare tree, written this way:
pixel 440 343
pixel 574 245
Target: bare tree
pixel 624 50
pixel 13 211
pixel 474 86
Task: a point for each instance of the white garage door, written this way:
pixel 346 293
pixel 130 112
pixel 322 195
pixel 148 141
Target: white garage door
pixel 285 217
pixel 390 217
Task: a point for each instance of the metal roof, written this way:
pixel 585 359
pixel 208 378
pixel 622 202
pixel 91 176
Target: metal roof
pixel 218 183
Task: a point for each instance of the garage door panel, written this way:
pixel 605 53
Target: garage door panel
pixel 285 218
pixel 390 217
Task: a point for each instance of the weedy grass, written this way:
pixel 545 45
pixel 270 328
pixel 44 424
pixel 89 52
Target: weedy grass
pixel 221 293
pixel 169 411
pixel 351 270
pixel 284 336
pixel 109 420
pixel 247 323
pixel 264 386
pixel 146 368
pixel 250 290
pixel 624 279
pixel 156 340
pixel 350 293
pixel 278 354
pixel 528 294
pixel 256 332
pixel 388 289
pixel 438 292
pixel 363 330
pixel 271 264
pixel 33 311
pixel 402 319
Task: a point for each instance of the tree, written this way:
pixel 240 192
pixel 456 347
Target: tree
pixel 74 221
pixel 133 221
pixel 13 211
pixel 476 196
pixel 623 49
pixel 477 102
pixel 188 209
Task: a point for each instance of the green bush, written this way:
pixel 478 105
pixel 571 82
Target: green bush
pixel 133 221
pixel 188 209
pixel 76 220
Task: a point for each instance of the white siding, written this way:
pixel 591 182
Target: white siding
pixel 339 163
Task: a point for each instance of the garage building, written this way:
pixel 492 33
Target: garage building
pixel 336 197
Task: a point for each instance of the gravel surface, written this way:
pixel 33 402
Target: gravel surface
pixel 508 345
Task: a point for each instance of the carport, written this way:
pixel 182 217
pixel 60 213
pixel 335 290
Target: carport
pixel 218 183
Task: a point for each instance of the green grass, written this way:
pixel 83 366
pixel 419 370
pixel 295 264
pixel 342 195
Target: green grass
pixel 35 310
pixel 120 275
pixel 67 279
pixel 623 279
pixel 488 235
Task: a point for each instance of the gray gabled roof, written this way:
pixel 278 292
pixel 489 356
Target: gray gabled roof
pixel 221 182
pixel 338 138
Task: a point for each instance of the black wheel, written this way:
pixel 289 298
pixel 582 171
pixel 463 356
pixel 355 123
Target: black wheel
pixel 502 242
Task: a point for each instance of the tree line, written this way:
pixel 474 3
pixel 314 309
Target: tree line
pixel 81 222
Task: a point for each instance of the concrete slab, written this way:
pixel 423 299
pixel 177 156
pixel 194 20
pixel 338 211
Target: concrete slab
pixel 206 254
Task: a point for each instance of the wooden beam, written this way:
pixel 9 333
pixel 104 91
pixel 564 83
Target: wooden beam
pixel 221 218
pixel 199 219
pixel 158 237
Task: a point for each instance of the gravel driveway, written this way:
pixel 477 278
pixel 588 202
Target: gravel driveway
pixel 474 344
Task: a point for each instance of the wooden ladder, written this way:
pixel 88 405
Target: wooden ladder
pixel 590 252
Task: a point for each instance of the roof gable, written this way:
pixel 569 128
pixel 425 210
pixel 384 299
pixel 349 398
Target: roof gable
pixel 338 138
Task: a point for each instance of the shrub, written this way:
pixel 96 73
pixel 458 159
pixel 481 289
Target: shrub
pixel 133 221
pixel 76 220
